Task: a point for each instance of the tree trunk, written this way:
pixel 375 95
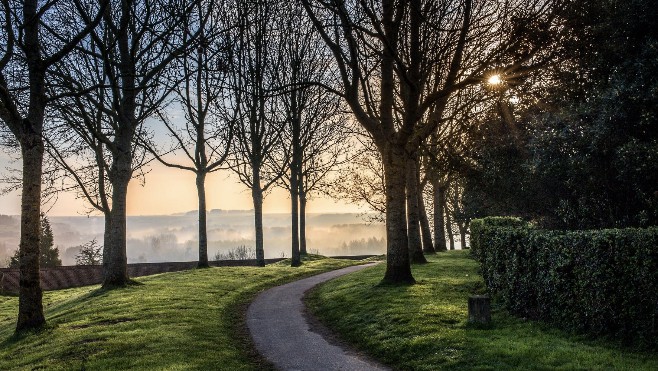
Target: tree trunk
pixel 257 196
pixel 302 220
pixel 115 267
pixel 413 215
pixel 115 261
pixel 30 307
pixel 428 246
pixel 438 193
pixel 462 235
pixel 203 235
pixel 294 198
pixel 451 237
pixel 106 236
pixel 398 269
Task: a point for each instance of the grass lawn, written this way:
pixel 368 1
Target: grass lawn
pixel 423 327
pixel 172 321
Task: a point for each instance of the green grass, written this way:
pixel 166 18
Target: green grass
pixel 424 327
pixel 174 321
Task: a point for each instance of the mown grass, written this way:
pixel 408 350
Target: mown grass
pixel 424 327
pixel 191 320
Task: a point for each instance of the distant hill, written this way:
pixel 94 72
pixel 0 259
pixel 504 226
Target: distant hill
pixel 213 211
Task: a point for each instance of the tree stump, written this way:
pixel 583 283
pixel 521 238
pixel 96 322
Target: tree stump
pixel 479 310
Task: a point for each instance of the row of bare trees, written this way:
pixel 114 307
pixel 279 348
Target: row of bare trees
pixel 93 85
pixel 262 86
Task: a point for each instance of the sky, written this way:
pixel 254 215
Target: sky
pixel 168 191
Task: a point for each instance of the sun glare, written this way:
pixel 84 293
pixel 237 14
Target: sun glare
pixel 494 80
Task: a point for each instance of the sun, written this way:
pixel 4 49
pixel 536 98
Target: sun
pixel 494 80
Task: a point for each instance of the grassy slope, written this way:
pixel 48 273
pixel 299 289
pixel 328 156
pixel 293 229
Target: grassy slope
pixel 423 327
pixel 184 320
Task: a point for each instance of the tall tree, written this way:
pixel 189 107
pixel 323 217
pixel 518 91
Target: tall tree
pixel 312 115
pixel 36 35
pixel 206 135
pixel 130 54
pixel 256 154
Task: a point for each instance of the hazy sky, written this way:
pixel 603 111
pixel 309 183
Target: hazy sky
pixel 169 191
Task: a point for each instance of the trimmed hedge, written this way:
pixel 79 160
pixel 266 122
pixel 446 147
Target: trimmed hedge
pixel 600 282
pixel 492 221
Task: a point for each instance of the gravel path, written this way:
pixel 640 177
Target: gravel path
pixel 282 333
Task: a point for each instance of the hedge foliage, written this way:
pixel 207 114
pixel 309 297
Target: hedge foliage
pixel 601 282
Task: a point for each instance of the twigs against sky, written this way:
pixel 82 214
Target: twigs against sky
pixel 256 156
pixel 203 139
pixel 118 78
pixel 315 136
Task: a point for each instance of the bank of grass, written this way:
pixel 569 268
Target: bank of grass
pixel 191 320
pixel 424 327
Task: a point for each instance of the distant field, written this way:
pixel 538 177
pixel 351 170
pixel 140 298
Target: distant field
pixel 423 327
pixel 189 320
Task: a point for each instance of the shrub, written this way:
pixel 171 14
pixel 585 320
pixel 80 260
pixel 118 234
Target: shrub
pixel 600 282
pixel 238 253
pixel 90 253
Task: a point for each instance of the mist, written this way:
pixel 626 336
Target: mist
pixel 161 238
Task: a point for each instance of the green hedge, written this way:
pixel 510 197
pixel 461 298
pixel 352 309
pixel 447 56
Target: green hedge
pixel 601 282
pixel 492 221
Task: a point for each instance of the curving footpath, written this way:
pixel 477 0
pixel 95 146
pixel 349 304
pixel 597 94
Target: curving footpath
pixel 282 334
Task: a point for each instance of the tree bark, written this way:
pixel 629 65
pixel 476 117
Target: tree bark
pixel 295 173
pixel 29 131
pixel 451 237
pixel 462 235
pixel 398 269
pixel 115 263
pixel 203 235
pixel 413 215
pixel 294 198
pixel 438 193
pixel 30 307
pixel 302 219
pixel 106 237
pixel 257 196
pixel 428 246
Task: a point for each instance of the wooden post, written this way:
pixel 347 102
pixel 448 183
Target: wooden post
pixel 479 309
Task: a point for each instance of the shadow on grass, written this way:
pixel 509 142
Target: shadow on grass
pixel 66 307
pixel 20 335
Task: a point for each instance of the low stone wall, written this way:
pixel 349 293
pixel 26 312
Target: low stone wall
pixel 83 275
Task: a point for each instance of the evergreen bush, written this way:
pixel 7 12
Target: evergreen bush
pixel 600 282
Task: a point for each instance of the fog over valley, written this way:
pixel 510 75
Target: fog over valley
pixel 161 238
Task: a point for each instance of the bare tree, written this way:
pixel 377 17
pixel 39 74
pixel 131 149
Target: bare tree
pixel 35 36
pixel 130 54
pixel 315 132
pixel 256 154
pixel 326 147
pixel 205 137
